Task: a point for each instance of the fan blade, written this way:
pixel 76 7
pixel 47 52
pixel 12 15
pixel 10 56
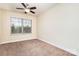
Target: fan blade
pixel 32 12
pixel 20 8
pixel 23 5
pixel 33 8
pixel 25 12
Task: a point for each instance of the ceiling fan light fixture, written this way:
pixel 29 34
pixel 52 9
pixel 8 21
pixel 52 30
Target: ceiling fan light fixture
pixel 27 10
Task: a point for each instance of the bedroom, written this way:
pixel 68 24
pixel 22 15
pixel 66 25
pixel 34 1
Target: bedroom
pixel 53 24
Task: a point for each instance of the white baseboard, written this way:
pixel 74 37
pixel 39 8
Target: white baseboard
pixel 15 41
pixel 61 47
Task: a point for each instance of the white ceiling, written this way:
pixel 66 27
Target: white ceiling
pixel 41 7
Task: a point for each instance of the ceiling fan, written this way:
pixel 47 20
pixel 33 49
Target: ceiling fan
pixel 27 8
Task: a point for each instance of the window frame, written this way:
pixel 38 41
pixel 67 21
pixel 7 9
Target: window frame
pixel 22 26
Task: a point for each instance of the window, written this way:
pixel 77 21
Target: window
pixel 20 25
pixel 26 26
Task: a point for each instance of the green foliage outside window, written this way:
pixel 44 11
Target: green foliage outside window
pixel 20 25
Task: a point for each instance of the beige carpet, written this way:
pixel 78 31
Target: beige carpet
pixel 31 48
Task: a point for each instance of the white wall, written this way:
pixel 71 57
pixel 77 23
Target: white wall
pixel 60 26
pixel 5 24
pixel 0 25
